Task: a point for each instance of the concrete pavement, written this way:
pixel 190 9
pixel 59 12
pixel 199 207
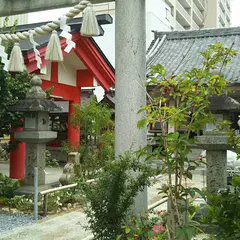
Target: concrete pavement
pixel 70 226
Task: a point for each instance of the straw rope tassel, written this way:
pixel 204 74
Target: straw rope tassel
pixel 54 51
pixel 16 61
pixel 90 27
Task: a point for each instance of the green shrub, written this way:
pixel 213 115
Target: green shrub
pixel 50 162
pixel 111 197
pixel 22 203
pixel 96 137
pixel 224 212
pixel 7 186
pixel 146 227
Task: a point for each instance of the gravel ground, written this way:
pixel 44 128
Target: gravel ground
pixel 9 221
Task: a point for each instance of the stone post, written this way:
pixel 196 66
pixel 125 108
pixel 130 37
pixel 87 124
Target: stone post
pixel 216 146
pixel 35 157
pixel 68 174
pixel 216 170
pixel 130 79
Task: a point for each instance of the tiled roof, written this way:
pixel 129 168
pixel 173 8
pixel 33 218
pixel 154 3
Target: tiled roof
pixel 180 51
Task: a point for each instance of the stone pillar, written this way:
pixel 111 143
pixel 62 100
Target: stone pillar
pixel 35 158
pixel 17 157
pixel 130 91
pixel 216 170
pixel 216 146
pixel 73 134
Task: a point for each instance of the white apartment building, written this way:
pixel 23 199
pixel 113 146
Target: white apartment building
pixel 219 14
pixel 21 19
pixel 196 14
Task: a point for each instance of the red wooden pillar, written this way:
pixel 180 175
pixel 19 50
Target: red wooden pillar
pixel 73 133
pixel 17 157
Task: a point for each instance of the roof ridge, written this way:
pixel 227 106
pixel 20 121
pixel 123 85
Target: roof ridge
pixel 212 32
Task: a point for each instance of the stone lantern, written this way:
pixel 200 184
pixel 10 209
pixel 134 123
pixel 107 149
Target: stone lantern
pixel 36 132
pixel 216 144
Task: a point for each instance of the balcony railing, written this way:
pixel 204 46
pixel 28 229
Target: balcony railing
pixel 221 20
pixel 179 27
pixel 200 4
pixel 195 26
pixel 228 5
pixel 222 5
pixel 222 17
pixel 171 3
pixel 183 13
pixel 198 16
pixel 185 3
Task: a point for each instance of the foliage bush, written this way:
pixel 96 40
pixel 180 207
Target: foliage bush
pixel 22 203
pixel 55 201
pixel 224 211
pixel 50 162
pixel 146 227
pixel 7 186
pixel 96 136
pixel 110 198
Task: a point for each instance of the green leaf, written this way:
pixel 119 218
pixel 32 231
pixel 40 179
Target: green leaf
pixel 191 168
pixel 127 230
pixel 173 136
pixel 119 237
pixel 142 123
pixel 188 174
pixel 236 181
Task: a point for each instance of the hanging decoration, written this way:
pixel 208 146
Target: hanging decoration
pixel 66 34
pixel 16 61
pixel 90 25
pixel 89 28
pixel 36 52
pixel 54 50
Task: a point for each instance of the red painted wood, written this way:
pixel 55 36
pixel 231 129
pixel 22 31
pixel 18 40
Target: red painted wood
pixel 88 54
pixel 84 78
pixel 73 133
pixel 94 62
pixel 54 72
pixel 17 157
pixel 69 93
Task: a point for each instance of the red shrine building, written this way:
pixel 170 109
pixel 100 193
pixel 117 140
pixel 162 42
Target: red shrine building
pixel 83 66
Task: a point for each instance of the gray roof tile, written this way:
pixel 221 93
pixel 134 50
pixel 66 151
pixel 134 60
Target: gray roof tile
pixel 180 51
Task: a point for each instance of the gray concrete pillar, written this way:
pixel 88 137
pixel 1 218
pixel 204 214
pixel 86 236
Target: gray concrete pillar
pixel 130 79
pixel 216 170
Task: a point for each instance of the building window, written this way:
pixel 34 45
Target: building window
pixel 167 14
